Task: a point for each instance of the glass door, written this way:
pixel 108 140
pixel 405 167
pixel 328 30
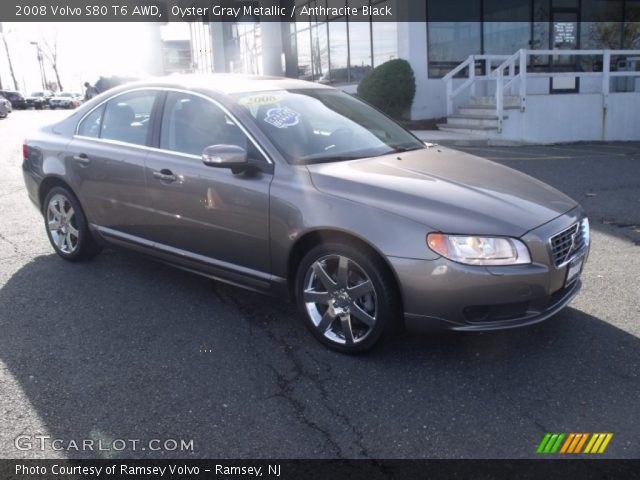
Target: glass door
pixel 565 35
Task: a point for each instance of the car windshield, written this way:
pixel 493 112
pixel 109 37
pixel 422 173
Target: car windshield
pixel 324 125
pixel 37 94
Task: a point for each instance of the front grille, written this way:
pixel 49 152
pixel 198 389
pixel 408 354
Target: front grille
pixel 566 243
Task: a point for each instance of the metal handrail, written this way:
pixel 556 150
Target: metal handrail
pixel 470 64
pixel 500 73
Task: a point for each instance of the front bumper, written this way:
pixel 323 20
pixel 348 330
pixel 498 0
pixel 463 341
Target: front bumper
pixel 60 104
pixel 34 104
pixel 444 295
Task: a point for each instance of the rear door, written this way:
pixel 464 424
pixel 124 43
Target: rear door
pixel 107 161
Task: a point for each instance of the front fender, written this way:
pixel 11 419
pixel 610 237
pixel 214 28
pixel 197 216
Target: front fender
pixel 298 208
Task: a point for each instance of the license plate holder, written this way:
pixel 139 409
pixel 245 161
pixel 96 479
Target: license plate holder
pixel 574 269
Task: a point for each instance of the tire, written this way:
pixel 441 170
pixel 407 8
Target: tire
pixel 72 241
pixel 349 316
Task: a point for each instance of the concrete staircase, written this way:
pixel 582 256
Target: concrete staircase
pixel 478 117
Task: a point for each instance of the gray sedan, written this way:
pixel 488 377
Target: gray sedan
pixel 299 190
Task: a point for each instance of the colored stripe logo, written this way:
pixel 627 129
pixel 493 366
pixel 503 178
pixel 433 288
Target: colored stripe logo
pixel 571 443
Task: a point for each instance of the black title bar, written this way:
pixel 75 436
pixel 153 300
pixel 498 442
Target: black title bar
pixel 316 469
pixel 295 11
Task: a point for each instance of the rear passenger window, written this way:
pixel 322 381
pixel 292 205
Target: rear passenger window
pixel 191 123
pixel 90 125
pixel 127 117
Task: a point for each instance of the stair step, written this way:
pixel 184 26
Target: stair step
pixel 478 128
pixel 491 100
pixel 485 106
pixel 482 110
pixel 475 116
pixel 472 120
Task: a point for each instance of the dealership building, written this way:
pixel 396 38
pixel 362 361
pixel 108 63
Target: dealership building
pixel 523 70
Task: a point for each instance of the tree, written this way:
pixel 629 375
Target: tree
pixel 6 48
pixel 50 52
pixel 390 87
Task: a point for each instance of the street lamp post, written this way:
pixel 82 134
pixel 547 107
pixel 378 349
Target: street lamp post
pixel 43 76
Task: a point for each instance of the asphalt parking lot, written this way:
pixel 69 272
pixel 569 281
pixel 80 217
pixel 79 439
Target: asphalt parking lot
pixel 126 348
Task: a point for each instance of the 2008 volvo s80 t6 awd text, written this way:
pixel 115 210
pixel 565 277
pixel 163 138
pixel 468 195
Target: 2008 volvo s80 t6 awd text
pixel 300 190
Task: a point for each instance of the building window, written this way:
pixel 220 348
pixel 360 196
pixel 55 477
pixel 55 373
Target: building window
pixel 339 51
pixel 332 50
pixel 631 26
pixel 599 24
pixel 385 39
pixel 320 52
pixel 249 48
pixel 500 35
pixel 359 50
pixel 303 45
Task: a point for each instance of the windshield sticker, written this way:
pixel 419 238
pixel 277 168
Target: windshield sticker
pixel 282 117
pixel 255 100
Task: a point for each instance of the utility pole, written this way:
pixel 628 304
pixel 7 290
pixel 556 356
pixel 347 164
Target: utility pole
pixel 43 77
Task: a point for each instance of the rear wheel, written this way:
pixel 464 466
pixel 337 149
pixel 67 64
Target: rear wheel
pixel 346 297
pixel 67 226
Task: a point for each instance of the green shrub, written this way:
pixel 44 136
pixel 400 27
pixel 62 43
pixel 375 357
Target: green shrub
pixel 389 87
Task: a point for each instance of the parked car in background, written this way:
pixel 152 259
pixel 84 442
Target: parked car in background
pixel 16 98
pixel 65 100
pixel 5 107
pixel 39 99
pixel 302 191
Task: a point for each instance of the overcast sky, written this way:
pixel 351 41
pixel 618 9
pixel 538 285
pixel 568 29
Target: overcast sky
pixel 85 51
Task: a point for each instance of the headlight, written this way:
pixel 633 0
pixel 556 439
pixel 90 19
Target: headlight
pixel 479 250
pixel 585 231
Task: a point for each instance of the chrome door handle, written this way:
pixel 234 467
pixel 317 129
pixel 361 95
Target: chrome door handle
pixel 165 175
pixel 82 159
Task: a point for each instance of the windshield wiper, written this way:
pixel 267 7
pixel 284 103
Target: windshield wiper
pixel 401 149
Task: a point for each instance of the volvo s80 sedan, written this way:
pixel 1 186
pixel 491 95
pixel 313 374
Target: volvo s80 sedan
pixel 299 190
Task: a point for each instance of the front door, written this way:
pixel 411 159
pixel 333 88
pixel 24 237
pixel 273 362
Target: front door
pixel 201 210
pixel 565 35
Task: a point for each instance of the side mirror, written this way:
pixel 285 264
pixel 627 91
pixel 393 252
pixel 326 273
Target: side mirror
pixel 225 156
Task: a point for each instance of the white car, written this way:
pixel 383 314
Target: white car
pixel 64 100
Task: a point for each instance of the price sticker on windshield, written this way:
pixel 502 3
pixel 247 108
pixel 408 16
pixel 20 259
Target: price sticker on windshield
pixel 282 117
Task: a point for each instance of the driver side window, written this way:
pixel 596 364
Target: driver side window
pixel 190 123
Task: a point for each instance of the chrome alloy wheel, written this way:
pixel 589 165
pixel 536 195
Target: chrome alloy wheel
pixel 340 299
pixel 61 222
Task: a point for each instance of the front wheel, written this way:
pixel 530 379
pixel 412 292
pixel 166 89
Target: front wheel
pixel 67 227
pixel 346 297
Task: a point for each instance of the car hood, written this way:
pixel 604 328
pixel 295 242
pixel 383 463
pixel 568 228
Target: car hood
pixel 446 190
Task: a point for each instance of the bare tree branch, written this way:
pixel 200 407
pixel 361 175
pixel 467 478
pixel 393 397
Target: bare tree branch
pixel 50 52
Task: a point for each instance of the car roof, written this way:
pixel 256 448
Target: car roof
pixel 226 83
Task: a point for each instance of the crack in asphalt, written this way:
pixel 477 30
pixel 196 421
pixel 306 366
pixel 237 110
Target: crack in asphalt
pixel 286 385
pixel 12 244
